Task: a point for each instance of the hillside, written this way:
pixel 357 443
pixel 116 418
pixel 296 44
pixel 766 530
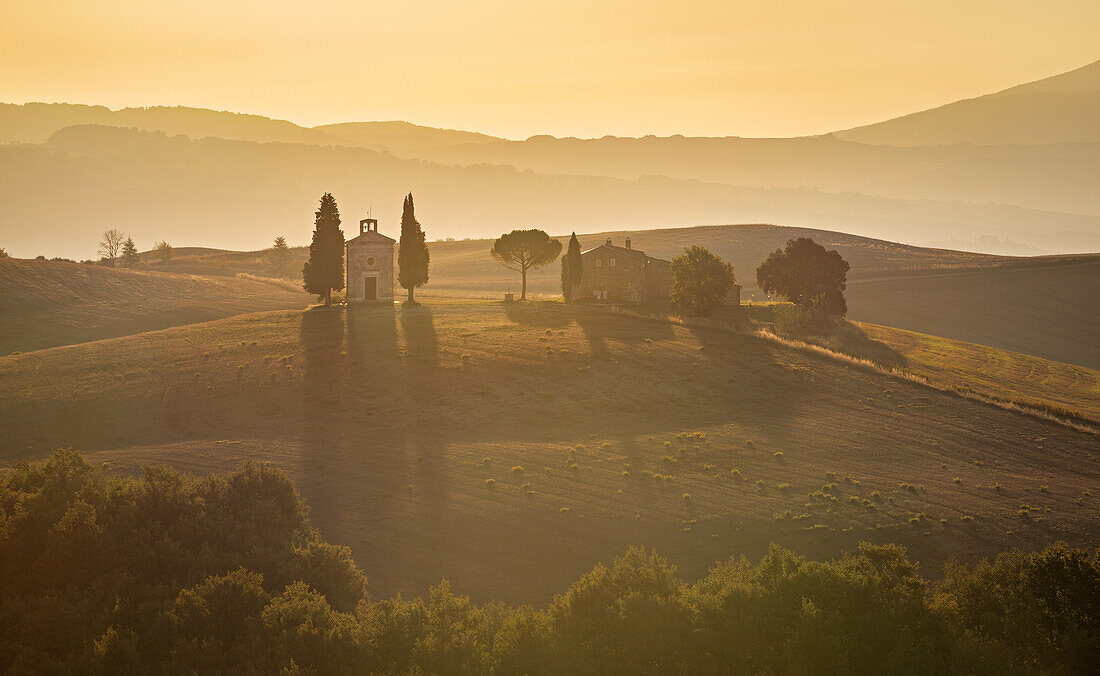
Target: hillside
pixel 48 303
pixel 88 179
pixel 1029 305
pixel 1048 311
pixel 1060 109
pixel 598 431
pixel 1008 376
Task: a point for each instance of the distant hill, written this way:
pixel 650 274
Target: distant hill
pixel 1057 177
pixel 1059 109
pixel 240 195
pixel 49 303
pixel 403 137
pixel 36 122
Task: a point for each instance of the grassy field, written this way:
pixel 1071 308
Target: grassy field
pixel 508 448
pixel 50 303
pixel 1007 375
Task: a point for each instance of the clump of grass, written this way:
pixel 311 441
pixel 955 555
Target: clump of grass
pixel 998 487
pixel 563 510
pixel 784 488
pixel 735 474
pixel 966 517
pixel 490 483
pixel 778 455
pixel 957 480
pixel 517 469
pixel 979 463
pixel 465 357
pixel 749 443
pixel 486 460
pixel 686 497
pixel 831 476
pixel 876 496
pixel 668 459
pixel 907 487
pixel 1044 489
pixel 760 483
pixel 605 446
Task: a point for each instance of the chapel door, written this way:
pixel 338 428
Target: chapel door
pixel 370 288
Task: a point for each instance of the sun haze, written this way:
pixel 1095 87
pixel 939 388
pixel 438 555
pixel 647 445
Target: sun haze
pixel 564 68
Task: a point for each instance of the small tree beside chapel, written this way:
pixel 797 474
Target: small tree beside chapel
pixel 324 271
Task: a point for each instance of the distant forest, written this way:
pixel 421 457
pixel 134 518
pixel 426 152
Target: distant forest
pixel 167 572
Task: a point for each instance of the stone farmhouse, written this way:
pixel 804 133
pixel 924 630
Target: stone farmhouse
pixel 370 264
pixel 623 274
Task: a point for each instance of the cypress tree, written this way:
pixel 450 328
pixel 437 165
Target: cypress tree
pixel 324 271
pixel 571 269
pixel 412 258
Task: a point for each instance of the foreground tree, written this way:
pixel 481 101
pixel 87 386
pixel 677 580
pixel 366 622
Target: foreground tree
pixel 323 273
pixel 279 257
pixel 571 268
pixel 807 275
pixel 129 253
pixel 700 280
pixel 164 251
pixel 522 250
pixel 412 257
pixel 110 245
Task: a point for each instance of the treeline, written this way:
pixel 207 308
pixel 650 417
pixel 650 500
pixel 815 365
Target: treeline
pixel 171 573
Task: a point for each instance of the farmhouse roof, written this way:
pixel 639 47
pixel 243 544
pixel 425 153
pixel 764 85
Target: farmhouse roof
pixel 624 251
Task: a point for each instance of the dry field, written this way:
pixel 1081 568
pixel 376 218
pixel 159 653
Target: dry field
pixel 509 448
pixel 50 303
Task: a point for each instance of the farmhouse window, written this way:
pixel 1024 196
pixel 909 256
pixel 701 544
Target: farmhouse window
pixel 612 262
pixel 599 262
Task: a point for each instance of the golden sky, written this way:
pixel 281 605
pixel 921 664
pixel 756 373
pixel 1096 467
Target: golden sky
pixel 565 67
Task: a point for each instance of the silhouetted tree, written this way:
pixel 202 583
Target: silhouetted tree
pixel 3 253
pixel 130 253
pixel 522 250
pixel 323 273
pixel 412 257
pixel 571 268
pixel 110 244
pixel 164 251
pixel 279 257
pixel 700 280
pixel 807 275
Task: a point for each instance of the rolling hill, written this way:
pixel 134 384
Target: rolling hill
pixel 435 441
pixel 1059 109
pixel 49 303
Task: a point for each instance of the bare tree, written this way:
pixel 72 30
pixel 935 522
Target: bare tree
pixel 163 250
pixel 111 243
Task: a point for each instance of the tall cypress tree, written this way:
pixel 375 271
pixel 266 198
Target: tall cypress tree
pixel 571 269
pixel 324 271
pixel 412 259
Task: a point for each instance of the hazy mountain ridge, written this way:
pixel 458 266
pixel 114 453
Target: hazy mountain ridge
pixel 1062 108
pixel 240 194
pixel 195 168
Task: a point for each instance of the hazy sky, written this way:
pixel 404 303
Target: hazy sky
pixel 566 67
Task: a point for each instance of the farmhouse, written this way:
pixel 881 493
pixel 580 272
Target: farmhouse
pixel 370 264
pixel 623 274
